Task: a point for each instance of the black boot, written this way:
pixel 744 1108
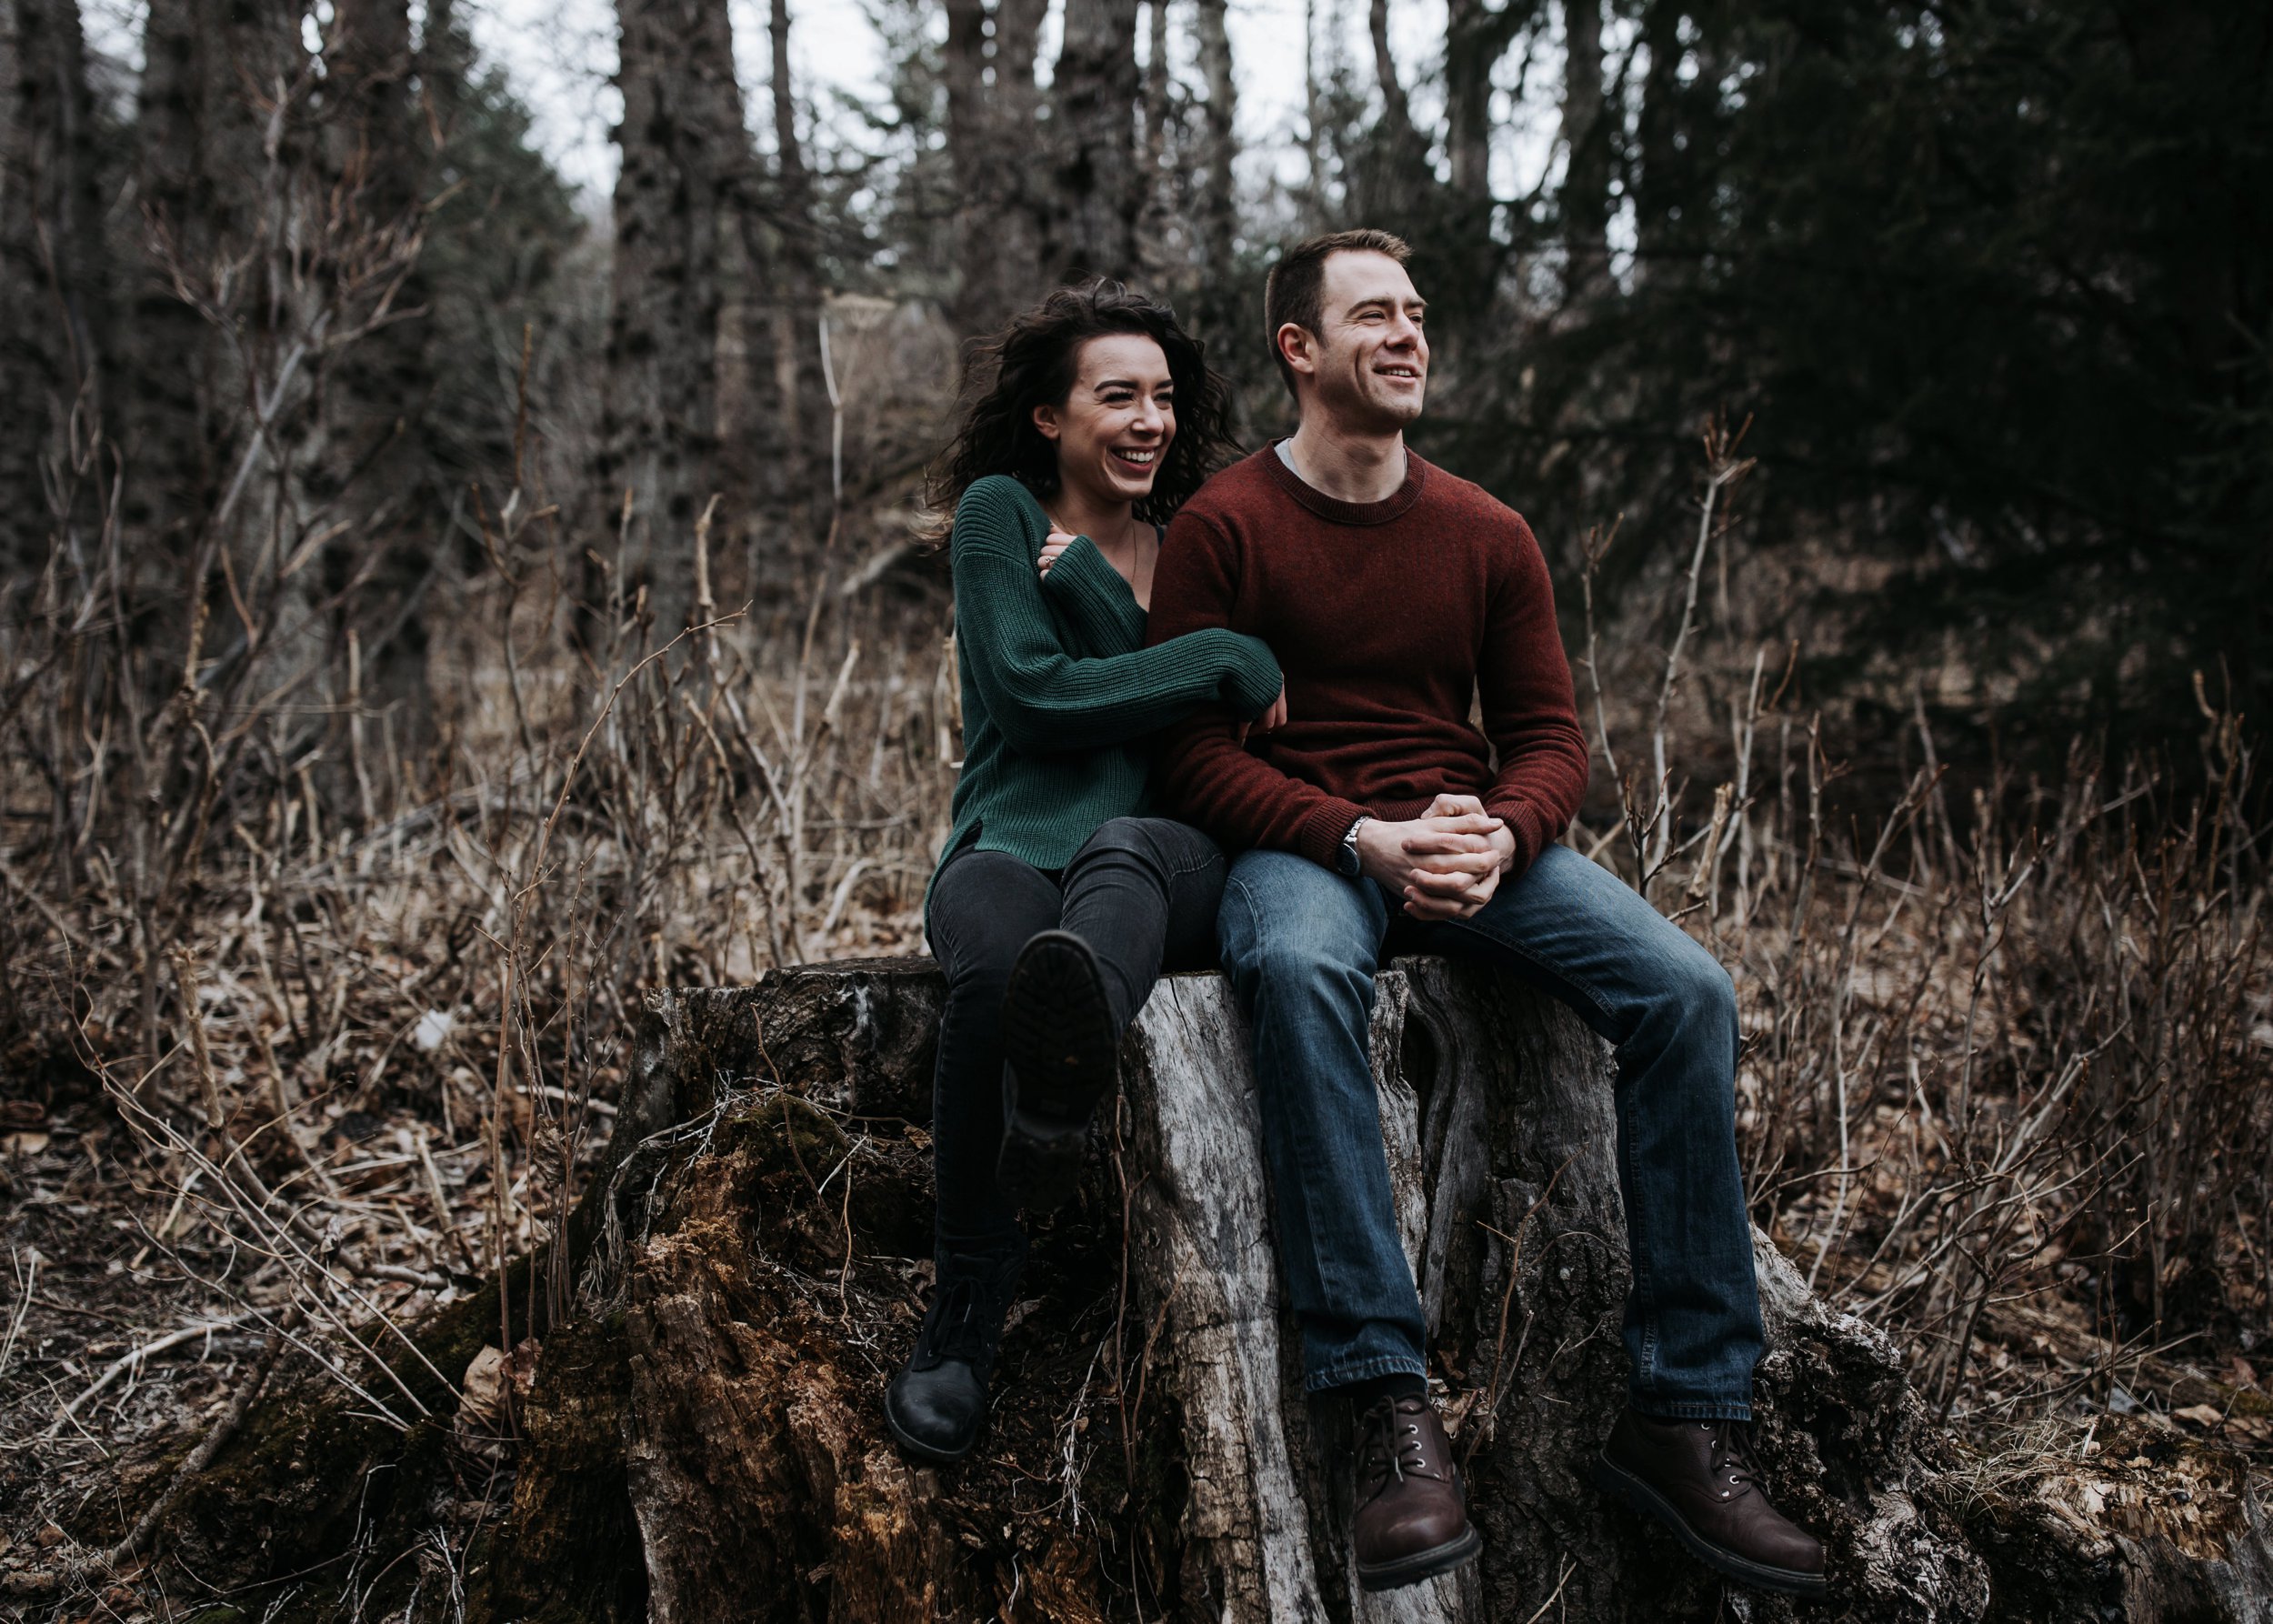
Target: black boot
pixel 1061 1053
pixel 937 1403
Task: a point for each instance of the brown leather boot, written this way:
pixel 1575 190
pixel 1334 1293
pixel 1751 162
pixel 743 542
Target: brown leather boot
pixel 1412 1520
pixel 1697 1479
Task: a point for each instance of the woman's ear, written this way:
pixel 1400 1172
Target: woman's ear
pixel 1045 419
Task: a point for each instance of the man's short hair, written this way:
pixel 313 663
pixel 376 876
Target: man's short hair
pixel 1292 291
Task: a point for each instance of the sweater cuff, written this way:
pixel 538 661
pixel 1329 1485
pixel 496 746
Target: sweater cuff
pixel 1252 678
pixel 1083 584
pixel 1320 837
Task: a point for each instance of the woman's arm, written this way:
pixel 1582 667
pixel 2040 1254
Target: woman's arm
pixel 1044 699
pixel 1092 595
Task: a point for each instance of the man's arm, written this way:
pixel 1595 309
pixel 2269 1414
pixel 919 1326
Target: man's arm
pixel 1209 777
pixel 1530 710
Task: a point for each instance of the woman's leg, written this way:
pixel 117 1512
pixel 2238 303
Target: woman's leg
pixel 1141 892
pixel 984 907
pixel 1138 885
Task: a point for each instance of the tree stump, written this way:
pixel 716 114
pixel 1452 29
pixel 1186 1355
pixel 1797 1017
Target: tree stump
pixel 704 1439
pixel 759 1430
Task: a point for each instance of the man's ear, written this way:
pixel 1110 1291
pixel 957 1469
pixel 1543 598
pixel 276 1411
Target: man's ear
pixel 1296 345
pixel 1045 419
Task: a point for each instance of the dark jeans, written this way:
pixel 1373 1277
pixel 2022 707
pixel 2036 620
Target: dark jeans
pixel 1142 892
pixel 1301 945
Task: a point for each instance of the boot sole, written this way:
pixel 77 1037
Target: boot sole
pixel 1421 1565
pixel 1061 1058
pixel 1621 1485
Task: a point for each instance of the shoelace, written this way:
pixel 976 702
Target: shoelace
pixel 967 1310
pixel 1732 1466
pixel 955 1329
pixel 1393 1446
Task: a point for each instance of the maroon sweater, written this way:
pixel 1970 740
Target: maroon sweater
pixel 1387 617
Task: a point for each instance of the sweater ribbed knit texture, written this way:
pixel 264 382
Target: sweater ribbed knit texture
pixel 1389 618
pixel 1060 694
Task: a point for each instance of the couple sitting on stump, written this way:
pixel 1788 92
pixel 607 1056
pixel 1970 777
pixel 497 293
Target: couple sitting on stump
pixel 1283 657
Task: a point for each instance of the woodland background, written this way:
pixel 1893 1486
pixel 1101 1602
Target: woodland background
pixel 1888 385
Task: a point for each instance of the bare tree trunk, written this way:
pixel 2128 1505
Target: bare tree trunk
pixel 53 275
pixel 378 164
pixel 1393 178
pixel 231 333
pixel 798 311
pixel 1215 207
pixel 1094 95
pixel 1586 139
pixel 1157 215
pixel 1659 188
pixel 683 143
pixel 991 136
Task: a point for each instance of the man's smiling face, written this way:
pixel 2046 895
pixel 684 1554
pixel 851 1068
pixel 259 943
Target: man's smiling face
pixel 1371 355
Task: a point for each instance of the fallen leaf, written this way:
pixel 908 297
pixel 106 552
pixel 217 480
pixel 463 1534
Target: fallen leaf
pixel 23 1144
pixel 2201 1415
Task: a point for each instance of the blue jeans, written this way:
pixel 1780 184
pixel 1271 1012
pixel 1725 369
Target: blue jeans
pixel 1301 945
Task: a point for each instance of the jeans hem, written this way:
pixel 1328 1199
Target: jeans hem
pixel 1388 1364
pixel 1691 1409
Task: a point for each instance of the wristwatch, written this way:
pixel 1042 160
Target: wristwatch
pixel 1345 857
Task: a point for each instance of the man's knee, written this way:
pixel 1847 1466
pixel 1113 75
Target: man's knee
pixel 1288 926
pixel 1695 989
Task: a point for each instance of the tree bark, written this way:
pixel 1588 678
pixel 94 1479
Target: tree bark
pixel 704 1439
pixel 1585 140
pixel 378 166
pixel 1660 189
pixel 683 143
pixel 1216 212
pixel 1094 97
pixel 798 311
pixel 211 72
pixel 54 276
pixel 991 133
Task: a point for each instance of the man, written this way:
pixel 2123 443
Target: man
pixel 1375 822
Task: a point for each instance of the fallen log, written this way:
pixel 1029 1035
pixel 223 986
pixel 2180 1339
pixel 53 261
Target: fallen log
pixel 703 1437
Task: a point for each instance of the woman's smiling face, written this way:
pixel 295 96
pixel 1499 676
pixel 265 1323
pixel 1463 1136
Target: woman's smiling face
pixel 1118 420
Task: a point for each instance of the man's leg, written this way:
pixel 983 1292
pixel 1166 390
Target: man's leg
pixel 1575 930
pixel 1693 1316
pixel 1300 945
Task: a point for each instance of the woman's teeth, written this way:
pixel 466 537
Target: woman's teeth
pixel 1143 459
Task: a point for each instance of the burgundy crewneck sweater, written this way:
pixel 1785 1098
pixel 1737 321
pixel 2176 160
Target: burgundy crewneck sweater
pixel 1387 618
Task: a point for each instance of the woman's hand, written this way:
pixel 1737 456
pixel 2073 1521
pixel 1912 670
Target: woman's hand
pixel 1275 716
pixel 1056 542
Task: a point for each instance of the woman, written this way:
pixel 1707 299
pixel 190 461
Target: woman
pixel 1058 897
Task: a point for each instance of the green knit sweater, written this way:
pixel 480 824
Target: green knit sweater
pixel 1058 689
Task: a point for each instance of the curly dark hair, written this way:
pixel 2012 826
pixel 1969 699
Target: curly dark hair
pixel 1033 362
